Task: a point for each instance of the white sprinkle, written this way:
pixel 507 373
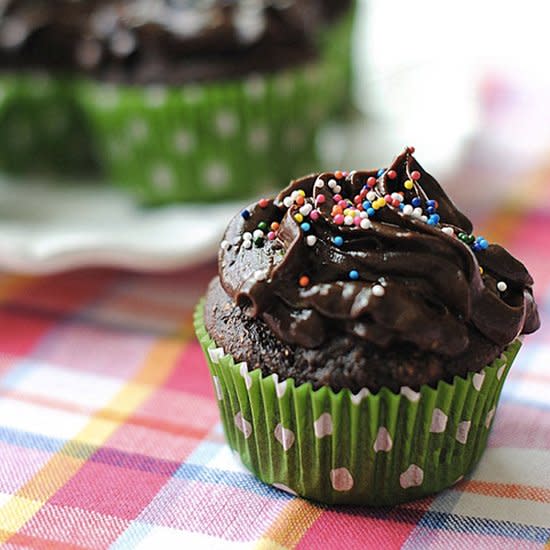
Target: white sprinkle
pixel 417 212
pixel 397 197
pixel 306 209
pixel 365 223
pixel 247 244
pixel 332 183
pixel 448 231
pixel 294 195
pixel 502 286
pixel 363 214
pixel 407 209
pixel 378 290
pixel 260 275
pixel 319 183
pixel 348 220
pixel 337 189
pixel 311 240
pixel 258 234
pixel 247 236
pixel 424 218
pixel 371 196
pixel 225 245
pixel 287 201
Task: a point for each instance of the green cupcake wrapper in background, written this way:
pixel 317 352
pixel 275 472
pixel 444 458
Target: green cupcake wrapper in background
pixel 339 448
pixel 43 129
pixel 213 141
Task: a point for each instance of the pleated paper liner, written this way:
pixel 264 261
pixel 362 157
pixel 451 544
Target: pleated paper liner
pixel 210 142
pixel 42 127
pixel 341 448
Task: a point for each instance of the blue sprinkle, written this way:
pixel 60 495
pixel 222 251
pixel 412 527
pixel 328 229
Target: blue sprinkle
pixel 483 244
pixel 416 202
pixel 431 222
pixel 354 275
pixel 430 203
pixel 305 226
pixel 401 206
pixel 371 212
pixel 366 205
pixel 380 172
pixel 338 241
pixel 435 218
pixel 245 214
pixel 430 210
pixel 476 247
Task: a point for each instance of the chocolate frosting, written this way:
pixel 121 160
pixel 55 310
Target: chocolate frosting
pixel 382 256
pixel 159 41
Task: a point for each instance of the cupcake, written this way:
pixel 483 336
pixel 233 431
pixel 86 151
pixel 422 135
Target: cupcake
pixel 186 101
pixel 359 334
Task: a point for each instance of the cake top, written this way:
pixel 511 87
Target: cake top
pixel 159 40
pixel 383 255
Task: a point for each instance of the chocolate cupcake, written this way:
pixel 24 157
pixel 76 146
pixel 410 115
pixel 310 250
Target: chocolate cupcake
pixel 177 93
pixel 359 335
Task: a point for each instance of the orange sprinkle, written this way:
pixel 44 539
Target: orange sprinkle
pixel 300 200
pixel 338 174
pixel 337 210
pixel 303 281
pixel 274 226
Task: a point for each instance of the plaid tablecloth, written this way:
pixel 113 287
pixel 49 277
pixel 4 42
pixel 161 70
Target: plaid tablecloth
pixel 110 435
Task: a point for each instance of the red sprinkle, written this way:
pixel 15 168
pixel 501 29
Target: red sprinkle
pixel 262 203
pixel 338 174
pixel 415 175
pixel 392 174
pixel 303 281
pixel 371 182
pixel 357 199
pixel 411 149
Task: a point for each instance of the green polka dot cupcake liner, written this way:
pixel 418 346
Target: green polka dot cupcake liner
pixel 43 130
pixel 362 449
pixel 214 141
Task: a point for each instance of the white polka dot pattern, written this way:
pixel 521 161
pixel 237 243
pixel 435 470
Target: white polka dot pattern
pixel 383 442
pixel 243 425
pixel 341 479
pixel 413 476
pixel 284 436
pixel 323 426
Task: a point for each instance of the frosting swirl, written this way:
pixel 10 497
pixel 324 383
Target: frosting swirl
pixel 384 256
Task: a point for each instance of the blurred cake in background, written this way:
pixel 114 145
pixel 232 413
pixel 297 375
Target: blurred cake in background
pixel 179 100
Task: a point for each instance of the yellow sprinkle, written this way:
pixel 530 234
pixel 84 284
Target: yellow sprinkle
pixel 408 184
pixel 301 192
pixel 299 218
pixel 347 212
pixel 375 205
pixel 481 270
pixel 382 202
